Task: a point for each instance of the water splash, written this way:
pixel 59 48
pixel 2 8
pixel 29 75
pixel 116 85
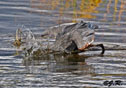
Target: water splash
pixel 28 42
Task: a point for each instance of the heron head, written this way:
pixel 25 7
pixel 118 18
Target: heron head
pixel 92 26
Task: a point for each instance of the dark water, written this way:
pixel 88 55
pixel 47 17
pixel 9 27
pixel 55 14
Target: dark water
pixel 88 70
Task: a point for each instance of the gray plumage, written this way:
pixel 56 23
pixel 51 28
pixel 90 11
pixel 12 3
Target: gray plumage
pixel 69 37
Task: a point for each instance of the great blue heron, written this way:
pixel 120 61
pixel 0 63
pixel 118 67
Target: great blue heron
pixel 69 38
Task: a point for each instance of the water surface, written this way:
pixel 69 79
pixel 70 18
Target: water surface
pixel 88 70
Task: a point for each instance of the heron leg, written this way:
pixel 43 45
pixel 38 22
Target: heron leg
pixel 98 45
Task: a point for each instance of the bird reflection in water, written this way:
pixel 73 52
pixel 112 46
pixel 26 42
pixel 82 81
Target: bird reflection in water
pixel 58 63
